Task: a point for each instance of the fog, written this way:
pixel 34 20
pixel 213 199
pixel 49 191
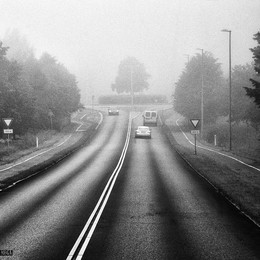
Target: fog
pixel 91 37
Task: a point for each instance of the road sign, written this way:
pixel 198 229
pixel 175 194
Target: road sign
pixel 8 131
pixel 195 132
pixel 195 122
pixel 8 121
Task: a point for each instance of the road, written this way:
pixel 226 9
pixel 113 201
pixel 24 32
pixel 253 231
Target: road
pixel 159 207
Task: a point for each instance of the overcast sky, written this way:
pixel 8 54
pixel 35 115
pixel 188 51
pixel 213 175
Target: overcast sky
pixel 91 37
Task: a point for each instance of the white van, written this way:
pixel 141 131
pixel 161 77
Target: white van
pixel 150 118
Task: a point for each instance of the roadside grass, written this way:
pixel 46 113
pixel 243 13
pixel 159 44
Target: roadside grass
pixel 26 144
pixel 245 138
pixel 45 160
pixel 238 183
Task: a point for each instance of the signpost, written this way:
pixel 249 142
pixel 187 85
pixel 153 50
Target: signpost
pixel 195 132
pixel 8 131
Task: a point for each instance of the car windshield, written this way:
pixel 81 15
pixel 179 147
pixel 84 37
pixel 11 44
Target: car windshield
pixel 143 128
pixel 147 114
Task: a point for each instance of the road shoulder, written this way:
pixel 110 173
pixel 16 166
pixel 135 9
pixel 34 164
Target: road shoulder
pixel 35 161
pixel 237 182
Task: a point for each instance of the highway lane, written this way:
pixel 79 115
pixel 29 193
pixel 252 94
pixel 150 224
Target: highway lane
pixel 42 217
pixel 161 209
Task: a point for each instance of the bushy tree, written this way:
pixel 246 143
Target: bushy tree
pixel 131 73
pixel 56 90
pixel 255 91
pixel 187 96
pixel 15 95
pixel 19 47
pixel 33 88
pixel 243 107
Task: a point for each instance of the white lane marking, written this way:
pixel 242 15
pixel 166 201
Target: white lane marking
pixel 64 141
pixel 55 146
pixel 224 195
pixel 83 116
pixel 106 194
pixel 208 149
pixel 81 124
pixel 26 159
pixel 100 121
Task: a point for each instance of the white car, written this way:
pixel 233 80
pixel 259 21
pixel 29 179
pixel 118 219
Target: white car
pixel 143 131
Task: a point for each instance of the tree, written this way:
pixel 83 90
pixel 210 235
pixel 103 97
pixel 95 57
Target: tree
pixel 60 94
pixel 255 91
pixel 132 76
pixel 31 88
pixel 20 50
pixel 15 98
pixel 188 89
pixel 243 107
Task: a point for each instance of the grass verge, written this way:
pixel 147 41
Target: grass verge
pixel 43 163
pixel 237 183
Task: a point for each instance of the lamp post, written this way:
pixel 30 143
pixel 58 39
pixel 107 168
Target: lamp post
pixel 202 93
pixel 92 103
pixel 131 85
pixel 230 108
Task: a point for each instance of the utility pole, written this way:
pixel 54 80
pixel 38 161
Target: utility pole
pixel 202 93
pixel 230 91
pixel 131 85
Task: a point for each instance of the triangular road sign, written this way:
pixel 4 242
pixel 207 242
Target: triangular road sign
pixel 8 121
pixel 195 122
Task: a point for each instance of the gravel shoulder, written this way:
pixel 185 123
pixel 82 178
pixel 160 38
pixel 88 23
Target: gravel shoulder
pixel 32 161
pixel 239 183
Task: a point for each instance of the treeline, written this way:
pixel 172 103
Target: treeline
pixel 127 99
pixel 36 93
pixel 206 79
pixel 203 87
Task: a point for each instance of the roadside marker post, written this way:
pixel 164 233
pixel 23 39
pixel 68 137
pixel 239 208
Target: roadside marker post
pixel 195 132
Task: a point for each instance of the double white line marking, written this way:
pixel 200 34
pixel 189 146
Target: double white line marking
pixel 82 242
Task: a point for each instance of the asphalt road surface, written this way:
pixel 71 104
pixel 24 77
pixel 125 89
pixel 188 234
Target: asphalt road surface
pixel 159 207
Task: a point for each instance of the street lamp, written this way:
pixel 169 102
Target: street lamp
pixel 131 85
pixel 230 108
pixel 202 92
pixel 92 103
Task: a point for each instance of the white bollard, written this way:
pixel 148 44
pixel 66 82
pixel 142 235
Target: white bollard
pixel 215 140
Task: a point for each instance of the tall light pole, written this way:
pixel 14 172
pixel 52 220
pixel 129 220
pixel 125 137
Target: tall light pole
pixel 131 85
pixel 202 93
pixel 230 92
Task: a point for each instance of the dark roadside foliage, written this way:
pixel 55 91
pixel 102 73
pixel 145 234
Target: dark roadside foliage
pixel 36 93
